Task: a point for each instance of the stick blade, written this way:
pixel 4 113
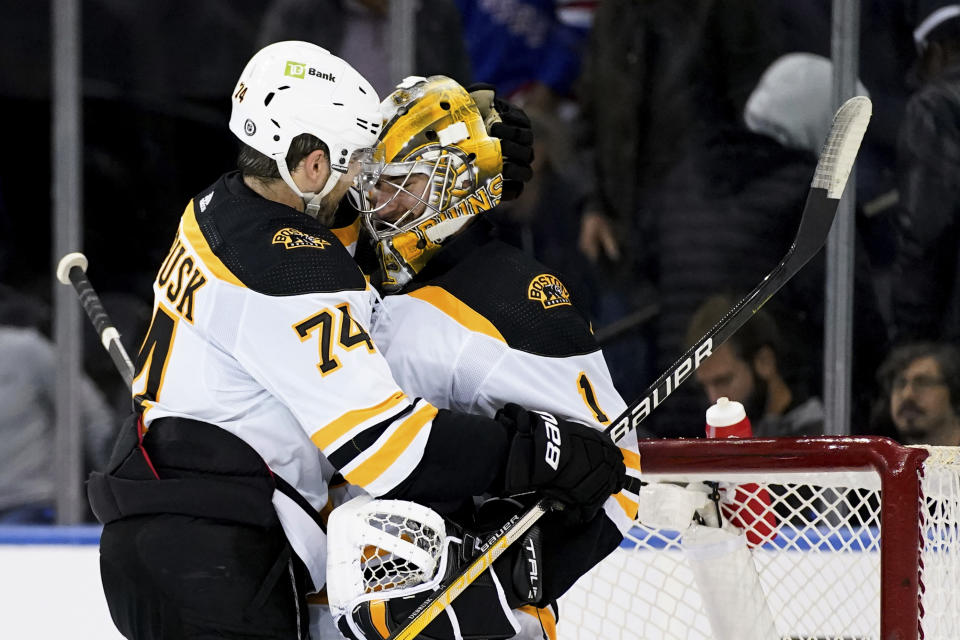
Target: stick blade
pixel 840 148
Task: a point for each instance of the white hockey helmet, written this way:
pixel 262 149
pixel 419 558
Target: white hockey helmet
pixel 291 88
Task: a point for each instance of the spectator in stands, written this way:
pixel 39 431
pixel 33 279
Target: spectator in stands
pixel 921 394
pixel 791 110
pixel 27 387
pixel 886 51
pixel 677 69
pixel 747 368
pixel 725 217
pixel 529 49
pixel 660 77
pixel 358 31
pixel 926 286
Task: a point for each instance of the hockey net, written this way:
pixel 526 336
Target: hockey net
pixel 864 545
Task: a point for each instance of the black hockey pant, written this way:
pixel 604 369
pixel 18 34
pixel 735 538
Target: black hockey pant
pixel 171 576
pixel 191 544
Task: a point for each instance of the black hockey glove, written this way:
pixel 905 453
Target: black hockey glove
pixel 575 464
pixel 510 124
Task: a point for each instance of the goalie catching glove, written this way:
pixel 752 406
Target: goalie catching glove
pixel 570 462
pixel 387 557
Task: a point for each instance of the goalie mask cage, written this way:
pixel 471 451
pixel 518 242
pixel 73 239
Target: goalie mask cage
pixel 865 547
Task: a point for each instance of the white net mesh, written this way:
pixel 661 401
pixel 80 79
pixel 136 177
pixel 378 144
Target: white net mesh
pixel 815 542
pixel 940 540
pixel 383 569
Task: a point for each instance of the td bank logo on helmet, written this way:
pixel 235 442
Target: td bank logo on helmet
pixel 300 70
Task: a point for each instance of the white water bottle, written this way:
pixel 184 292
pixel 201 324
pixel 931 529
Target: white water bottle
pixel 748 506
pixel 728 419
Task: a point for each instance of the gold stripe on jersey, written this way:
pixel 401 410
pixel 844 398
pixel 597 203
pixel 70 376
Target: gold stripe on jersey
pixel 348 235
pixel 384 457
pixel 545 617
pixel 459 311
pixel 325 436
pixel 378 614
pixel 195 237
pixel 631 459
pixel 629 506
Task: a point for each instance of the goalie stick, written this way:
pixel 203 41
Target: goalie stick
pixel 72 269
pixel 833 169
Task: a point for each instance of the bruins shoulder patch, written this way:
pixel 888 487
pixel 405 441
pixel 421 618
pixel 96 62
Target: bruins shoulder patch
pixel 548 291
pixel 292 238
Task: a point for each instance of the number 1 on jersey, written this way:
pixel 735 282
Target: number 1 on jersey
pixel 590 398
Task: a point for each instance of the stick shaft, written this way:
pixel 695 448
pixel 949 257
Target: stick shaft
pixel 494 548
pixel 109 337
pixel 830 177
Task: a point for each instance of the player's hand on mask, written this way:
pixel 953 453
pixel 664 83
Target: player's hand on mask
pixel 511 125
pixel 575 464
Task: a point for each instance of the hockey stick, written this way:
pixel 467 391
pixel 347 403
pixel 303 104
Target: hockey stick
pixel 836 160
pixel 72 269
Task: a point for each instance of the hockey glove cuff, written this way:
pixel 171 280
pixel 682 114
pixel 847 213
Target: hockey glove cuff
pixel 572 463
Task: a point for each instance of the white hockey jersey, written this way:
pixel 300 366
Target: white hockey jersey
pixel 260 327
pixel 485 325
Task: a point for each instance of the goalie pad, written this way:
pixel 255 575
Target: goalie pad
pixel 386 557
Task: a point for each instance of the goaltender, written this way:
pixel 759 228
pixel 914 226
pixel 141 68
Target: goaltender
pixel 471 324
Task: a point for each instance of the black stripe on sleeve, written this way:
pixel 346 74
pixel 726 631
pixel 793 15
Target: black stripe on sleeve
pixel 365 439
pixel 464 456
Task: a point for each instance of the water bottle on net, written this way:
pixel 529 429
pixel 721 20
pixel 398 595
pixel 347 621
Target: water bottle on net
pixel 746 506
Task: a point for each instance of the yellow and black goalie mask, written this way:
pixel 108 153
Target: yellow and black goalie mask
pixel 433 169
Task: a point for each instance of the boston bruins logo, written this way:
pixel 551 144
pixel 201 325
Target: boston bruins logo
pixel 293 239
pixel 548 291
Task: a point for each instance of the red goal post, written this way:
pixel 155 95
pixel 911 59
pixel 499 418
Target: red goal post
pixel 866 546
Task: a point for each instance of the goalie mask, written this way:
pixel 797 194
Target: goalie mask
pixel 291 88
pixel 434 169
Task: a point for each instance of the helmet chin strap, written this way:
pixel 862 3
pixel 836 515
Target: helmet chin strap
pixel 311 199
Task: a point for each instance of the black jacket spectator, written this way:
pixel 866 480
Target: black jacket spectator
pixel 926 287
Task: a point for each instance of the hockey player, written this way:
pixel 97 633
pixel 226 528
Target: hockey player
pixel 258 380
pixel 471 323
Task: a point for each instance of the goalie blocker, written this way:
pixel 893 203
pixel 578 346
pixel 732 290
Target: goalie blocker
pixel 386 558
